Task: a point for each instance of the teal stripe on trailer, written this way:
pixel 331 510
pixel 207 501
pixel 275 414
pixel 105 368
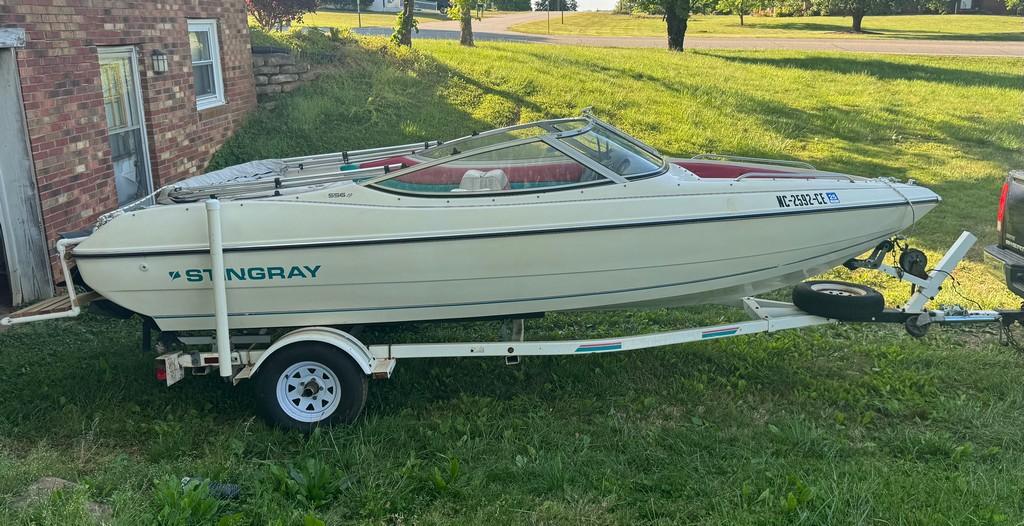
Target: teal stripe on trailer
pixel 600 347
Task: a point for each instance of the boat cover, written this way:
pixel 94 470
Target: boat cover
pixel 239 173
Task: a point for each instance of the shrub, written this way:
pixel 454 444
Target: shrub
pixel 272 14
pixel 311 45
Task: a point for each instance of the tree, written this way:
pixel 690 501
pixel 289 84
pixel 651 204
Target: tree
pixel 1014 6
pixel 556 5
pixel 271 14
pixel 405 24
pixel 462 10
pixel 624 7
pixel 676 13
pixel 857 9
pixel 738 7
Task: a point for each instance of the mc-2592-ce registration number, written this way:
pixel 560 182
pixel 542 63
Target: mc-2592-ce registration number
pixel 811 199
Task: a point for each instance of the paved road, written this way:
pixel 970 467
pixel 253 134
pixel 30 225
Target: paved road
pixel 496 28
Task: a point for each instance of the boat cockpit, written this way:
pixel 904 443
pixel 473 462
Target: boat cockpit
pixel 543 155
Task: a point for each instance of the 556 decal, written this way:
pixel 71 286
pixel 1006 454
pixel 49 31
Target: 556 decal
pixel 808 199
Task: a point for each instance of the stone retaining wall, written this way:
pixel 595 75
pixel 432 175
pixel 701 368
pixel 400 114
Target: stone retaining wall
pixel 279 73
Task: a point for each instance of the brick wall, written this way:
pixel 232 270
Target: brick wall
pixel 60 79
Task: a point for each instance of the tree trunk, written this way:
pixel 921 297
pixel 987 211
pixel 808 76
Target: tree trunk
pixel 676 29
pixel 466 25
pixel 403 33
pixel 741 18
pixel 857 19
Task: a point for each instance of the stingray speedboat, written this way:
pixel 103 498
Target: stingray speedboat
pixel 556 215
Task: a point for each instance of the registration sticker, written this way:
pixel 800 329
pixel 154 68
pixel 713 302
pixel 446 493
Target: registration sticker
pixel 809 199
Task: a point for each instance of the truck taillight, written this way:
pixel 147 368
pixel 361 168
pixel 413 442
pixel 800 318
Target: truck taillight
pixel 1002 206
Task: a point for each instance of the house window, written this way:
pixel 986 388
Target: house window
pixel 206 70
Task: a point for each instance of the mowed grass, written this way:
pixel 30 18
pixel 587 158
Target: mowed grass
pixel 952 27
pixel 848 424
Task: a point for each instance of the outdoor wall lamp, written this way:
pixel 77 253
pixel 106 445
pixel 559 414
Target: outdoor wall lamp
pixel 159 61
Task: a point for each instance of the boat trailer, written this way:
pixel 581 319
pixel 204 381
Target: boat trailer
pixel 378 360
pixel 240 356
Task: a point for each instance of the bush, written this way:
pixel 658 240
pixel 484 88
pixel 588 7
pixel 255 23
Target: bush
pixel 310 45
pixel 270 14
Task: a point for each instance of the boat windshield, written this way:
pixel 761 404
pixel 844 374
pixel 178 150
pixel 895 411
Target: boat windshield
pixel 615 152
pixel 512 134
pixel 530 166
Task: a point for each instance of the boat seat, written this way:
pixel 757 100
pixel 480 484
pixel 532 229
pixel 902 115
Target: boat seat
pixel 478 181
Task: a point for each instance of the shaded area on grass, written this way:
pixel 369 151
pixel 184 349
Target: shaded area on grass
pixel 884 70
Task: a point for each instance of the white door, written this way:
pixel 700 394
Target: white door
pixel 126 126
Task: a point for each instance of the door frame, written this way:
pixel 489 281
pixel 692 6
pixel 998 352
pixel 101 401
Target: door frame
pixel 24 248
pixel 132 53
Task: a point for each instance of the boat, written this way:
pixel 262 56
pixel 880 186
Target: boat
pixel 556 215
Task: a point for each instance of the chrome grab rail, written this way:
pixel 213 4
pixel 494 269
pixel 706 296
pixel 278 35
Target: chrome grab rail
pixel 800 175
pixel 781 162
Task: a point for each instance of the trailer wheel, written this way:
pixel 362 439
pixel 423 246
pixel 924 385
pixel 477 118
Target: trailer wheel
pixel 309 384
pixel 838 300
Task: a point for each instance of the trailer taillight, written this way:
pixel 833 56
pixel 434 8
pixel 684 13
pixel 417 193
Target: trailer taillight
pixel 1002 206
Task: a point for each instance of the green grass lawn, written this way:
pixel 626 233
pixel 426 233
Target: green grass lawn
pixel 849 424
pixel 953 27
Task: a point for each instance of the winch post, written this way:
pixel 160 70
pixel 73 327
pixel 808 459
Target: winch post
pixel 220 292
pixel 930 288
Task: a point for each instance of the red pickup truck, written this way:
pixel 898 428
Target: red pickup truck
pixel 1010 228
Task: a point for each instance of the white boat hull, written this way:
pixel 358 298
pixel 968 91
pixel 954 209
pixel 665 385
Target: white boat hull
pixel 375 257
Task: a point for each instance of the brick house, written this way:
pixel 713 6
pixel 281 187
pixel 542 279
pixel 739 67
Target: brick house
pixel 103 101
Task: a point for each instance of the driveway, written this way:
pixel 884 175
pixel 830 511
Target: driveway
pixel 496 28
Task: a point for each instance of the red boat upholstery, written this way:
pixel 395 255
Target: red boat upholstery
pixel 452 174
pixel 712 170
pixel 530 173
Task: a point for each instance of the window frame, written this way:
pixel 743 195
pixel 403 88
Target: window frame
pixel 218 97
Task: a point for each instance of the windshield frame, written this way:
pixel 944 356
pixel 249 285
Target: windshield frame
pixel 553 139
pixel 545 124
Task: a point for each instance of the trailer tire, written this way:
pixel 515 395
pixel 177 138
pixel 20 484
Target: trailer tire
pixel 838 300
pixel 310 384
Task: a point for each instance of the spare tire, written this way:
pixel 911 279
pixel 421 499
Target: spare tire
pixel 838 300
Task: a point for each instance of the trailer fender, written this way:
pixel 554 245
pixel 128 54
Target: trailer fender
pixel 342 340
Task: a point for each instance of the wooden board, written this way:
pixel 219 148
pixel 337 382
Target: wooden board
pixel 60 303
pixel 21 225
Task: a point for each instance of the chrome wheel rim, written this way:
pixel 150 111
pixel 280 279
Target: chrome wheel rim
pixel 838 289
pixel 308 391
